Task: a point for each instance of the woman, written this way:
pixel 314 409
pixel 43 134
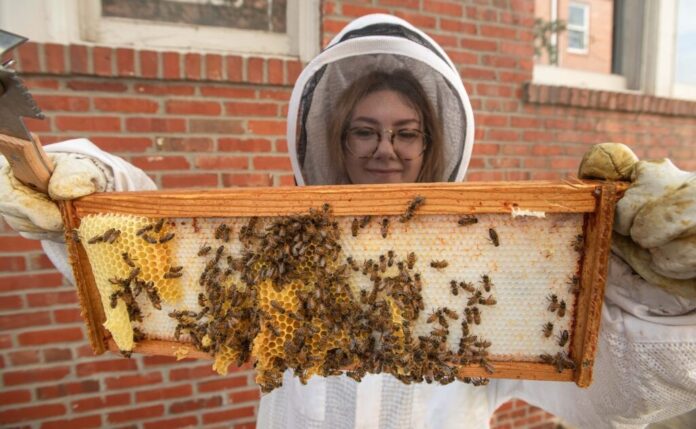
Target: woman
pixel 370 109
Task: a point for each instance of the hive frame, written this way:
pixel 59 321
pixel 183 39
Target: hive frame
pixel 595 199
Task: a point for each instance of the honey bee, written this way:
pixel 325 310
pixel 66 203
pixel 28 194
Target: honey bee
pixel 490 300
pixel 143 230
pixel 477 315
pixel 574 284
pixel 352 263
pixel 158 226
pixel 473 299
pixel 365 220
pixel 222 232
pixel 479 381
pixel 274 329
pixel 411 260
pixel 454 287
pixel 166 237
pixel 111 235
pixel 172 275
pixel 494 237
pixel 547 329
pixel 439 264
pixel 546 358
pixel 138 335
pixel 562 309
pixel 469 315
pixel 277 306
pixel 553 303
pixel 578 243
pixel 433 316
pixel 563 338
pixel 95 239
pixel 440 332
pixel 467 220
pixel 149 239
pixel 204 250
pixel 411 209
pixel 354 227
pixel 467 286
pixel 487 283
pixel 382 263
pixel 385 227
pixel 450 313
pixel 127 259
pixel 75 235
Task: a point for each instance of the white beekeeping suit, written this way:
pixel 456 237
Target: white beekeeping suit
pixel 645 368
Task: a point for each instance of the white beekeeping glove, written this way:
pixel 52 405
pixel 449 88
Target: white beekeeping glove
pixel 35 215
pixel 656 218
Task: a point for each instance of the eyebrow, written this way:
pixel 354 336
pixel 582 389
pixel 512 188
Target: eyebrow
pixel 376 122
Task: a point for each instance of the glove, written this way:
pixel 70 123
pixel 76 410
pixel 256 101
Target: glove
pixel 35 215
pixel 655 222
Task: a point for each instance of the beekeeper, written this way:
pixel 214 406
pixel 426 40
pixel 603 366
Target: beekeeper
pixel 369 109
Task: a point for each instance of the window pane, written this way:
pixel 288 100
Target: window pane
pixel 576 15
pixel 685 63
pixel 263 15
pixel 576 39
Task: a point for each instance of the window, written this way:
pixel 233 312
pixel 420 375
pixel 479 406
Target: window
pixel 685 56
pixel 578 28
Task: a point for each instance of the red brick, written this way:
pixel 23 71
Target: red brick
pixel 227 92
pixel 149 66
pixel 195 404
pixel 125 62
pixel 226 383
pixel 486 149
pixel 525 122
pixel 38 125
pixel 332 25
pixel 5 341
pixel 502 135
pixel 102 58
pixel 78 59
pixel 162 360
pixel 89 404
pixel 478 44
pixel 457 26
pixel 88 123
pixel 293 68
pixel 48 336
pixel 275 71
pixel 54 58
pixel 126 105
pixel 243 180
pixel 162 393
pixel 192 66
pixel 156 125
pixel 245 425
pixel 193 373
pixel 85 85
pixel 161 162
pixel 11 302
pixel 451 9
pixel 546 150
pixel 40 262
pixel 286 180
pixel 483 119
pixel 185 144
pixel 171 65
pixel 418 19
pixel 272 163
pixel 558 163
pixel 179 422
pixel 136 414
pixel 217 162
pixel 234 65
pixel 191 107
pixel 24 357
pixel 21 282
pixel 24 320
pixel 122 144
pixel 62 102
pixel 18 244
pixel 28 54
pixel 245 396
pixel 498 32
pixel 169 89
pixel 56 355
pixel 35 412
pixel 75 423
pixel 96 367
pixel 255 70
pixel 499 61
pixel 213 67
pixel 228 415
pixel 46 299
pixel 357 10
pixel 36 83
pixel 9 397
pixel 537 136
pixel 128 381
pixel 216 126
pixel 36 375
pixel 264 127
pixel 251 109
pixel 244 145
pixel 67 389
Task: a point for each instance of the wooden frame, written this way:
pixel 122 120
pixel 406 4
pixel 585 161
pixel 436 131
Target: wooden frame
pixel 595 199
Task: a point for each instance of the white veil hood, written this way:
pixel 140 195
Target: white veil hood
pixel 375 42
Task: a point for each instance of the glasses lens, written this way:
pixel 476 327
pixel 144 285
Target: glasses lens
pixel 408 143
pixel 362 141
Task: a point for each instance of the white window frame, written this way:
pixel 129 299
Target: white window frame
pixel 659 46
pixel 585 28
pixel 80 21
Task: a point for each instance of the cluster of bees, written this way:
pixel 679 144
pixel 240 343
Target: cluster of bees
pixel 288 299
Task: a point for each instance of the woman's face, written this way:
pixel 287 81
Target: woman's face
pixel 380 110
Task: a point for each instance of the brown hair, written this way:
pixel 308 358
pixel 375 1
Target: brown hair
pixel 404 83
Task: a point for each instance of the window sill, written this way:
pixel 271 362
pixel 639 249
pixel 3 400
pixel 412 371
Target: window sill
pixel 557 95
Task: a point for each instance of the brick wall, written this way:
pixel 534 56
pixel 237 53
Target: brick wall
pixel 218 121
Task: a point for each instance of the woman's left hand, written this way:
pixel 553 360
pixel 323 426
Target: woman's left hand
pixel 655 223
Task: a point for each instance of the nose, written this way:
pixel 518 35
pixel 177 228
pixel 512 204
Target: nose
pixel 385 147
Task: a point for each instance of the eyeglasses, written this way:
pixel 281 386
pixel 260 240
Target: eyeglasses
pixel 408 143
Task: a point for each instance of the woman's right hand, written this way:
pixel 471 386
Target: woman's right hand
pixel 35 215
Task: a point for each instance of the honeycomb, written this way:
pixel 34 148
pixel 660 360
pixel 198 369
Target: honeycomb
pixel 117 251
pixel 414 295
